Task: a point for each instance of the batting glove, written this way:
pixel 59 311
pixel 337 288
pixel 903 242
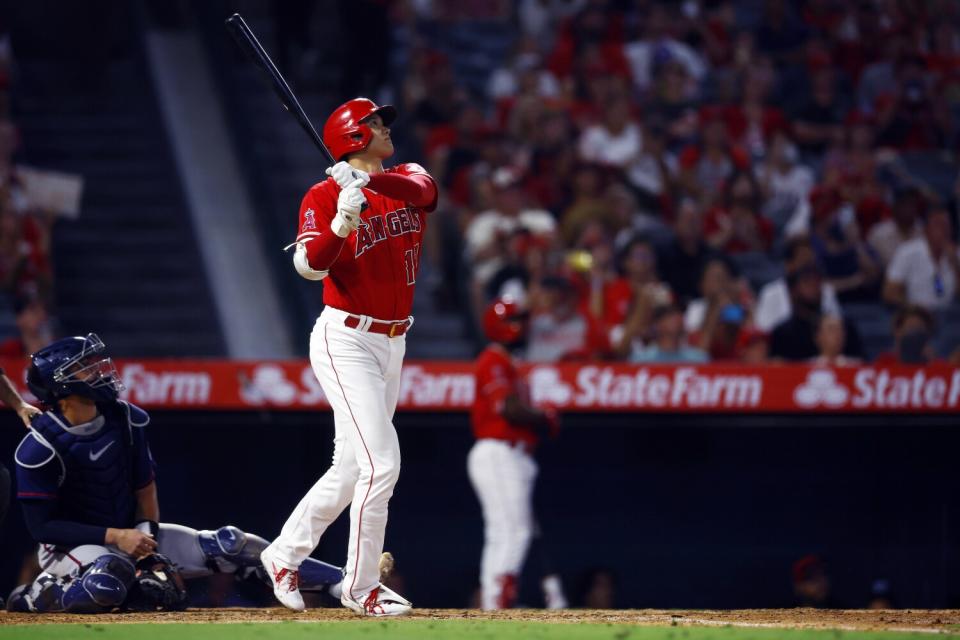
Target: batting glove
pixel 349 205
pixel 344 174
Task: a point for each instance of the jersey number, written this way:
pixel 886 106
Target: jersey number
pixel 411 262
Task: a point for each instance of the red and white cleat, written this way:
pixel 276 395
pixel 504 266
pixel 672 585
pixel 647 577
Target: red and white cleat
pixel 286 581
pixel 381 601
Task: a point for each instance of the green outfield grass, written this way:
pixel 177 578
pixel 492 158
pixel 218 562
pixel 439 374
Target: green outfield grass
pixel 428 630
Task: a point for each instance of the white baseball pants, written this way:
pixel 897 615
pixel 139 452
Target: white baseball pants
pixel 360 375
pixel 503 475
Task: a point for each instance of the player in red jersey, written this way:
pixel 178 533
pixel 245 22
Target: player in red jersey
pixel 501 464
pixel 360 233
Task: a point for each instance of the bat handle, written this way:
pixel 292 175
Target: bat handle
pixel 365 205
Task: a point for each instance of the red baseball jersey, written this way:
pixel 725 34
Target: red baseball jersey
pixel 497 378
pixel 376 270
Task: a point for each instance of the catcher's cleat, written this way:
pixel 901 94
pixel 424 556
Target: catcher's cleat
pixel 286 581
pixel 380 602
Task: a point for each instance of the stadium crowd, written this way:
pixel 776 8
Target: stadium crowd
pixel 26 274
pixel 698 180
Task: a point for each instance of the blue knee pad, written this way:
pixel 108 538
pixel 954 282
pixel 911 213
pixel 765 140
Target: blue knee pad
pixel 226 549
pixel 226 541
pixel 103 587
pixel 230 549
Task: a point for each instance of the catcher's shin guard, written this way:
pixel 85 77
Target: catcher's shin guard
pixel 102 588
pixel 317 576
pixel 228 549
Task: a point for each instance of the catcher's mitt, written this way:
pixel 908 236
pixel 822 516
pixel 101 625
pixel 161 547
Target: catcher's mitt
pixel 158 586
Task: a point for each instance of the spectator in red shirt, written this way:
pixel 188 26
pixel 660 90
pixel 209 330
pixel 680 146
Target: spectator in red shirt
pixel 635 296
pixel 738 227
pixel 714 321
pixel 705 167
pixel 604 292
pixel 560 330
pixel 430 93
pixel 753 345
pixel 452 147
pixel 23 264
pixel 822 15
pixel 33 325
pixel 595 33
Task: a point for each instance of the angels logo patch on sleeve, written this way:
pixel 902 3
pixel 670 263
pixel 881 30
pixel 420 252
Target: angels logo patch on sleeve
pixel 309 221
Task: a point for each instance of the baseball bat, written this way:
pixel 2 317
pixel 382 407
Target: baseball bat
pixel 248 42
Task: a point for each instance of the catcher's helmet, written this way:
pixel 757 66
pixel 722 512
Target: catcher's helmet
pixel 505 321
pixel 74 366
pixel 345 131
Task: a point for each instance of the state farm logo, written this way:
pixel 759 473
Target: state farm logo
pixel 606 387
pixel 267 384
pixel 270 383
pixel 678 388
pixel 422 388
pixel 871 389
pixel 547 387
pixel 165 387
pixel 821 387
pixel 920 389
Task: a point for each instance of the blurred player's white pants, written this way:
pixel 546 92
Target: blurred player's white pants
pixel 360 375
pixel 503 475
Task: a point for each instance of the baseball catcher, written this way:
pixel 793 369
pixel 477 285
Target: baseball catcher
pixel 87 483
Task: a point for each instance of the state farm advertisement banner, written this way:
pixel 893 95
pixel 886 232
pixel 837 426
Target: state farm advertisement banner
pixel 448 386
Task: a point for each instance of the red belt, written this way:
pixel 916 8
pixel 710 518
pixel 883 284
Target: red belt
pixel 389 329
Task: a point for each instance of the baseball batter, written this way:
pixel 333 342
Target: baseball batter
pixel 360 232
pixel 10 397
pixel 501 464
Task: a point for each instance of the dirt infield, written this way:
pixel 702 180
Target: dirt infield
pixel 914 620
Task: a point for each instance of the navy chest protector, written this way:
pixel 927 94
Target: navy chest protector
pixel 96 485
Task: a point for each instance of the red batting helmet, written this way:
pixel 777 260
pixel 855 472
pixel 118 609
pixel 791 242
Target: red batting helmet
pixel 505 321
pixel 345 131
